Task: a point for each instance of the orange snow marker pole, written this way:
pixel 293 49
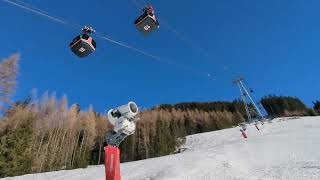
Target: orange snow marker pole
pixel 243 134
pixel 112 163
pixel 256 125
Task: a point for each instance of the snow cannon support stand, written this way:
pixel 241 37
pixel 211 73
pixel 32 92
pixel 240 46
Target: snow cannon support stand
pixel 243 128
pixel 124 124
pixel 112 163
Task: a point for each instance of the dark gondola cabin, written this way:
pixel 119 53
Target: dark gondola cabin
pixel 147 22
pixel 83 45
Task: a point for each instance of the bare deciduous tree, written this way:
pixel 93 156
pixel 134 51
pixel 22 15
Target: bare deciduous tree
pixel 8 74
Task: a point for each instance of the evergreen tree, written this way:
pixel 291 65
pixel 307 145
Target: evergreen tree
pixel 316 106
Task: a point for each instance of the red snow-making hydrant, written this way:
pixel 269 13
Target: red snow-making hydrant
pixel 112 163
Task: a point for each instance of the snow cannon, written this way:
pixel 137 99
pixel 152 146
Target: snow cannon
pixel 124 123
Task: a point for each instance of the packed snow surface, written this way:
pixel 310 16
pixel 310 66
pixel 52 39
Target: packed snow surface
pixel 288 149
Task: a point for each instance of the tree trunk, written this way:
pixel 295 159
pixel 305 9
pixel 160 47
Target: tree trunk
pixel 100 146
pixel 75 150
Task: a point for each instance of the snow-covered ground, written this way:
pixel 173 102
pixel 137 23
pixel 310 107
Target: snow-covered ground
pixel 281 150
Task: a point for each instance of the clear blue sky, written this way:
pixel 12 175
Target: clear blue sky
pixel 274 44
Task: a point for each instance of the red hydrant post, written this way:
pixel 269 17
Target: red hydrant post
pixel 256 125
pixel 112 163
pixel 244 134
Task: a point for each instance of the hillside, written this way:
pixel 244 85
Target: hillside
pixel 281 150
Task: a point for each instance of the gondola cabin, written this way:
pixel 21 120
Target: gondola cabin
pixel 147 22
pixel 83 45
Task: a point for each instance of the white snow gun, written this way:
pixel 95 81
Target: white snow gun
pixel 124 123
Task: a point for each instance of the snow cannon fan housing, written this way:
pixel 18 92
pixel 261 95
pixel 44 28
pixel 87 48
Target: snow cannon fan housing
pixel 122 118
pixel 120 113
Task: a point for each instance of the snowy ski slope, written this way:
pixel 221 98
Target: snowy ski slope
pixel 281 150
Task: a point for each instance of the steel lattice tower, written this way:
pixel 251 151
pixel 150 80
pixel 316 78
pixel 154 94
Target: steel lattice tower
pixel 252 109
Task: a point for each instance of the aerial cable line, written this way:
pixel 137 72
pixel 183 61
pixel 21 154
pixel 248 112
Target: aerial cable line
pixel 30 6
pixel 137 3
pixel 183 38
pixel 38 11
pixel 41 13
pixel 159 59
pixel 35 10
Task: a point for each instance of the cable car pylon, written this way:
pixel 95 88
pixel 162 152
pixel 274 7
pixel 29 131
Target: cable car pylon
pixel 254 115
pixel 252 110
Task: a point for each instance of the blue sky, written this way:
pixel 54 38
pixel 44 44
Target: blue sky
pixel 274 44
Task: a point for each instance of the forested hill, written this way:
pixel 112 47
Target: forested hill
pixel 206 106
pixel 46 134
pixel 271 105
